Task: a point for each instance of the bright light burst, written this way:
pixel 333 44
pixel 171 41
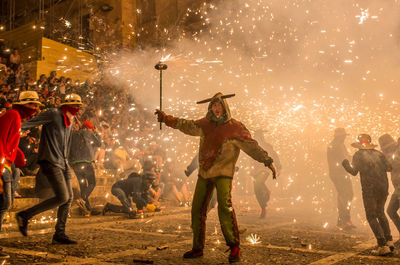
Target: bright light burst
pixel 253 239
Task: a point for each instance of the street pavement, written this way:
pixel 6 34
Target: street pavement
pixel 293 236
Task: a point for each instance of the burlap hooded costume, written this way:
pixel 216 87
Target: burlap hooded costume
pixel 220 143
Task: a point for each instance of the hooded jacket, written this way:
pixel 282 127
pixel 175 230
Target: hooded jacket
pixel 220 142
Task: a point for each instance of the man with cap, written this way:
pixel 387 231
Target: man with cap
pixel 221 139
pixel 390 148
pixel 10 124
pixel 136 186
pixel 373 167
pixel 83 144
pixel 336 153
pixel 54 149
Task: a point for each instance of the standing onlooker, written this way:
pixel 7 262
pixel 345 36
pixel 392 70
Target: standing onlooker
pixel 392 152
pixel 260 175
pixel 337 152
pixel 15 60
pixel 373 166
pixel 83 145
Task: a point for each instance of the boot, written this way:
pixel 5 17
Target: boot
pixel 381 251
pixel 132 215
pixel 63 239
pixel 106 209
pixel 390 244
pixel 234 256
pixel 22 224
pixel 263 213
pixel 192 254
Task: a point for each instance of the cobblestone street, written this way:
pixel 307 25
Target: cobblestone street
pixel 162 238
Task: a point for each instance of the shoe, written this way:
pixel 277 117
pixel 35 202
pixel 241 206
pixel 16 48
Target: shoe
pixel 263 213
pixel 381 251
pixel 132 215
pixel 234 256
pixel 188 204
pixel 181 204
pixel 390 244
pixel 157 209
pixel 63 239
pixel 22 224
pixel 106 209
pixel 4 255
pixel 348 226
pixel 192 254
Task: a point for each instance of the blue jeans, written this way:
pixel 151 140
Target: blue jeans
pixel 60 182
pixel 126 206
pixel 87 180
pixel 7 197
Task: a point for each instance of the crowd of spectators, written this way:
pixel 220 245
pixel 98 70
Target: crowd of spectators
pixel 125 127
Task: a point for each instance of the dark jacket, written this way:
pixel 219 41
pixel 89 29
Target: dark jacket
pixel 55 138
pixel 373 167
pixel 83 144
pixel 136 186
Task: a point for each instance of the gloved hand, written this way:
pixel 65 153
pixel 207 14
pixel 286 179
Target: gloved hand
pixel 150 207
pixel 272 167
pixel 345 163
pixel 160 115
pixel 167 119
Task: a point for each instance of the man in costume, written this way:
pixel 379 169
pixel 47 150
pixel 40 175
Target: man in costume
pixel 53 153
pixel 10 124
pixel 221 139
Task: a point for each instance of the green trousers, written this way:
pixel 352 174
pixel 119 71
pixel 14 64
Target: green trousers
pixel 201 199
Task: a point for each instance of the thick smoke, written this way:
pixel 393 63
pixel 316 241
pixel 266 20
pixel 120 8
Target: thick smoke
pixel 298 68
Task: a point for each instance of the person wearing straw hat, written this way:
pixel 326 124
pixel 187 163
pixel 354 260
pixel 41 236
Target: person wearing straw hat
pixel 336 152
pixel 221 139
pixel 373 167
pixel 391 149
pixel 10 124
pixel 54 168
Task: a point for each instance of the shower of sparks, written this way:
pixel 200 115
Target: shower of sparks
pixel 253 239
pixel 299 70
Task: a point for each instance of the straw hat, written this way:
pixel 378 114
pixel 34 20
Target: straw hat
pixel 73 99
pixel 363 142
pixel 28 97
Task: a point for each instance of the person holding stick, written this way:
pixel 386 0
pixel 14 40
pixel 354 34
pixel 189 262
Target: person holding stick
pixel 221 139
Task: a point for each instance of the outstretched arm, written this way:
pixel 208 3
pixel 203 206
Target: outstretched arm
pixel 41 119
pixel 186 126
pixel 255 151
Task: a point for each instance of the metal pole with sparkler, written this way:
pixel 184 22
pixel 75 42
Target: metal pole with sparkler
pixel 160 66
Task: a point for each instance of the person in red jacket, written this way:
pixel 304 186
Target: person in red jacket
pixel 10 124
